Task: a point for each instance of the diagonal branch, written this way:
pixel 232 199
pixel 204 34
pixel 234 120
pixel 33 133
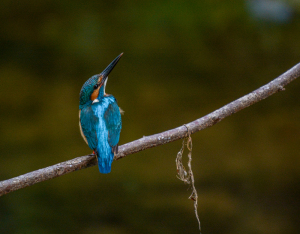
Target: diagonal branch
pixel 209 120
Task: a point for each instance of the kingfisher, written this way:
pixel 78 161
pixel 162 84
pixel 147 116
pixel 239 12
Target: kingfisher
pixel 100 118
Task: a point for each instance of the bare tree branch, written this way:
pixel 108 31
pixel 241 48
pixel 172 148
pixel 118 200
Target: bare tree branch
pixel 209 120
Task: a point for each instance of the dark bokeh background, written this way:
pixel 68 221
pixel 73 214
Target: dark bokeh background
pixel 182 60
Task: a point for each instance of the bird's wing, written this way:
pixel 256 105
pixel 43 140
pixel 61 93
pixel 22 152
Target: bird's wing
pixel 89 122
pixel 113 123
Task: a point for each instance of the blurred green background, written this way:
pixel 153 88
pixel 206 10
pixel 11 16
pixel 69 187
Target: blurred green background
pixel 182 60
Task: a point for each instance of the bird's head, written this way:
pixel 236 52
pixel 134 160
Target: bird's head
pixel 94 88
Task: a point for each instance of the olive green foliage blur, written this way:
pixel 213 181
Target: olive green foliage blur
pixel 182 60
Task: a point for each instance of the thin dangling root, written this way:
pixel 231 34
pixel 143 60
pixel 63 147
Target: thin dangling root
pixel 187 176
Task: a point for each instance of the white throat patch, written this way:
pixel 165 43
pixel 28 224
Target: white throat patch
pixel 105 84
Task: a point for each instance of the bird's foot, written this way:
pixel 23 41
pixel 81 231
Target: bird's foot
pixel 92 154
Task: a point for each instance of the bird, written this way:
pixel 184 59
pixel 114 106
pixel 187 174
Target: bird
pixel 100 120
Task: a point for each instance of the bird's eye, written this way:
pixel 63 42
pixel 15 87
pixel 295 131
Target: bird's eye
pixel 96 86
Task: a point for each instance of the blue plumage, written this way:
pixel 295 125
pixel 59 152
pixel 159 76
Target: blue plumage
pixel 100 118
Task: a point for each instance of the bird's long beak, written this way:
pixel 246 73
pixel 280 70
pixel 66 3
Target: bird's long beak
pixel 110 67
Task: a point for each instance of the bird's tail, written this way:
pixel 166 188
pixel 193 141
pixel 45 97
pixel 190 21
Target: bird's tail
pixel 104 162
